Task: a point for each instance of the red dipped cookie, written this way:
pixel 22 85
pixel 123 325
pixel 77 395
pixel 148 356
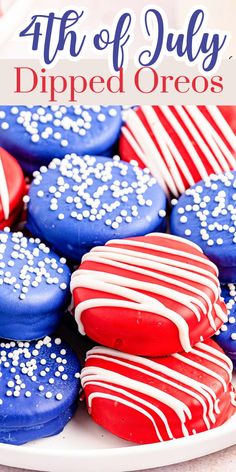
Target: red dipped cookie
pixel 12 189
pixel 151 296
pixel 181 145
pixel 229 113
pixel 152 400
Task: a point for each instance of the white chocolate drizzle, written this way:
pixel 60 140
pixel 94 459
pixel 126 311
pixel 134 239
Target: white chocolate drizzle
pixel 124 389
pixel 4 193
pixel 176 276
pixel 160 153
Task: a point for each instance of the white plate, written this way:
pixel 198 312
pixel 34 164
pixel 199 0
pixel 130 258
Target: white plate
pixel 86 447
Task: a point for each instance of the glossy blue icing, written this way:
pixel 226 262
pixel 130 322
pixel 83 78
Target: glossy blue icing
pixel 38 389
pixel 34 288
pixel 226 336
pixel 35 135
pixel 50 428
pixel 206 215
pixel 79 203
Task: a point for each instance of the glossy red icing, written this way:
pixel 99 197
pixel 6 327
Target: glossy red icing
pixel 128 153
pixel 137 331
pixel 107 406
pixel 16 187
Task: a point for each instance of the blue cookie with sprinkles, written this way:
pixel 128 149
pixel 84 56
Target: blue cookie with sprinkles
pixel 34 135
pixel 78 203
pixel 226 336
pixel 206 215
pixel 34 287
pixel 38 390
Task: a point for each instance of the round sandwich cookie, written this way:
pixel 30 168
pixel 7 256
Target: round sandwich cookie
pixel 12 189
pixel 150 400
pixel 152 296
pixel 78 203
pixel 206 215
pixel 226 336
pixel 34 287
pixel 180 144
pixel 39 388
pixel 36 134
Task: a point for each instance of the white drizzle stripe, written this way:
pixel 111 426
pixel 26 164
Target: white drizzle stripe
pixel 197 386
pixel 103 258
pixel 177 238
pixel 213 360
pixel 197 136
pixel 192 127
pixel 182 270
pixel 142 136
pixel 175 252
pixel 128 289
pixel 220 313
pixel 154 365
pixel 218 155
pixel 4 193
pixel 86 383
pixel 185 140
pixel 224 149
pixel 155 275
pixel 170 152
pixel 112 377
pixel 213 140
pixel 215 352
pixel 201 367
pixel 93 375
pixel 125 282
pixel 223 125
pixel 150 163
pixel 169 163
pixel 135 145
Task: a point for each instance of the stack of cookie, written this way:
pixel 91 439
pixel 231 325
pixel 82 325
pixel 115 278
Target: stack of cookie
pixel 153 302
pixel 152 296
pixel 39 372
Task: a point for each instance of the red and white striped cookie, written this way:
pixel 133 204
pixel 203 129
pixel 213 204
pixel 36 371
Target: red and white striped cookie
pixel 181 145
pixel 152 295
pixel 12 189
pixel 152 400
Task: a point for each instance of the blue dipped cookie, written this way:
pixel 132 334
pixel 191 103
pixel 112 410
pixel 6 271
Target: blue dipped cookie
pixel 78 203
pixel 226 336
pixel 38 390
pixel 206 215
pixel 34 287
pixel 34 135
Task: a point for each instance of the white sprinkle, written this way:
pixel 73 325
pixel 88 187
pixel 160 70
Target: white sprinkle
pixel 63 286
pixel 59 396
pixel 162 213
pixel 35 138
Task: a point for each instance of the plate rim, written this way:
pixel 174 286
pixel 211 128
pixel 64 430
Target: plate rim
pixel 73 456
